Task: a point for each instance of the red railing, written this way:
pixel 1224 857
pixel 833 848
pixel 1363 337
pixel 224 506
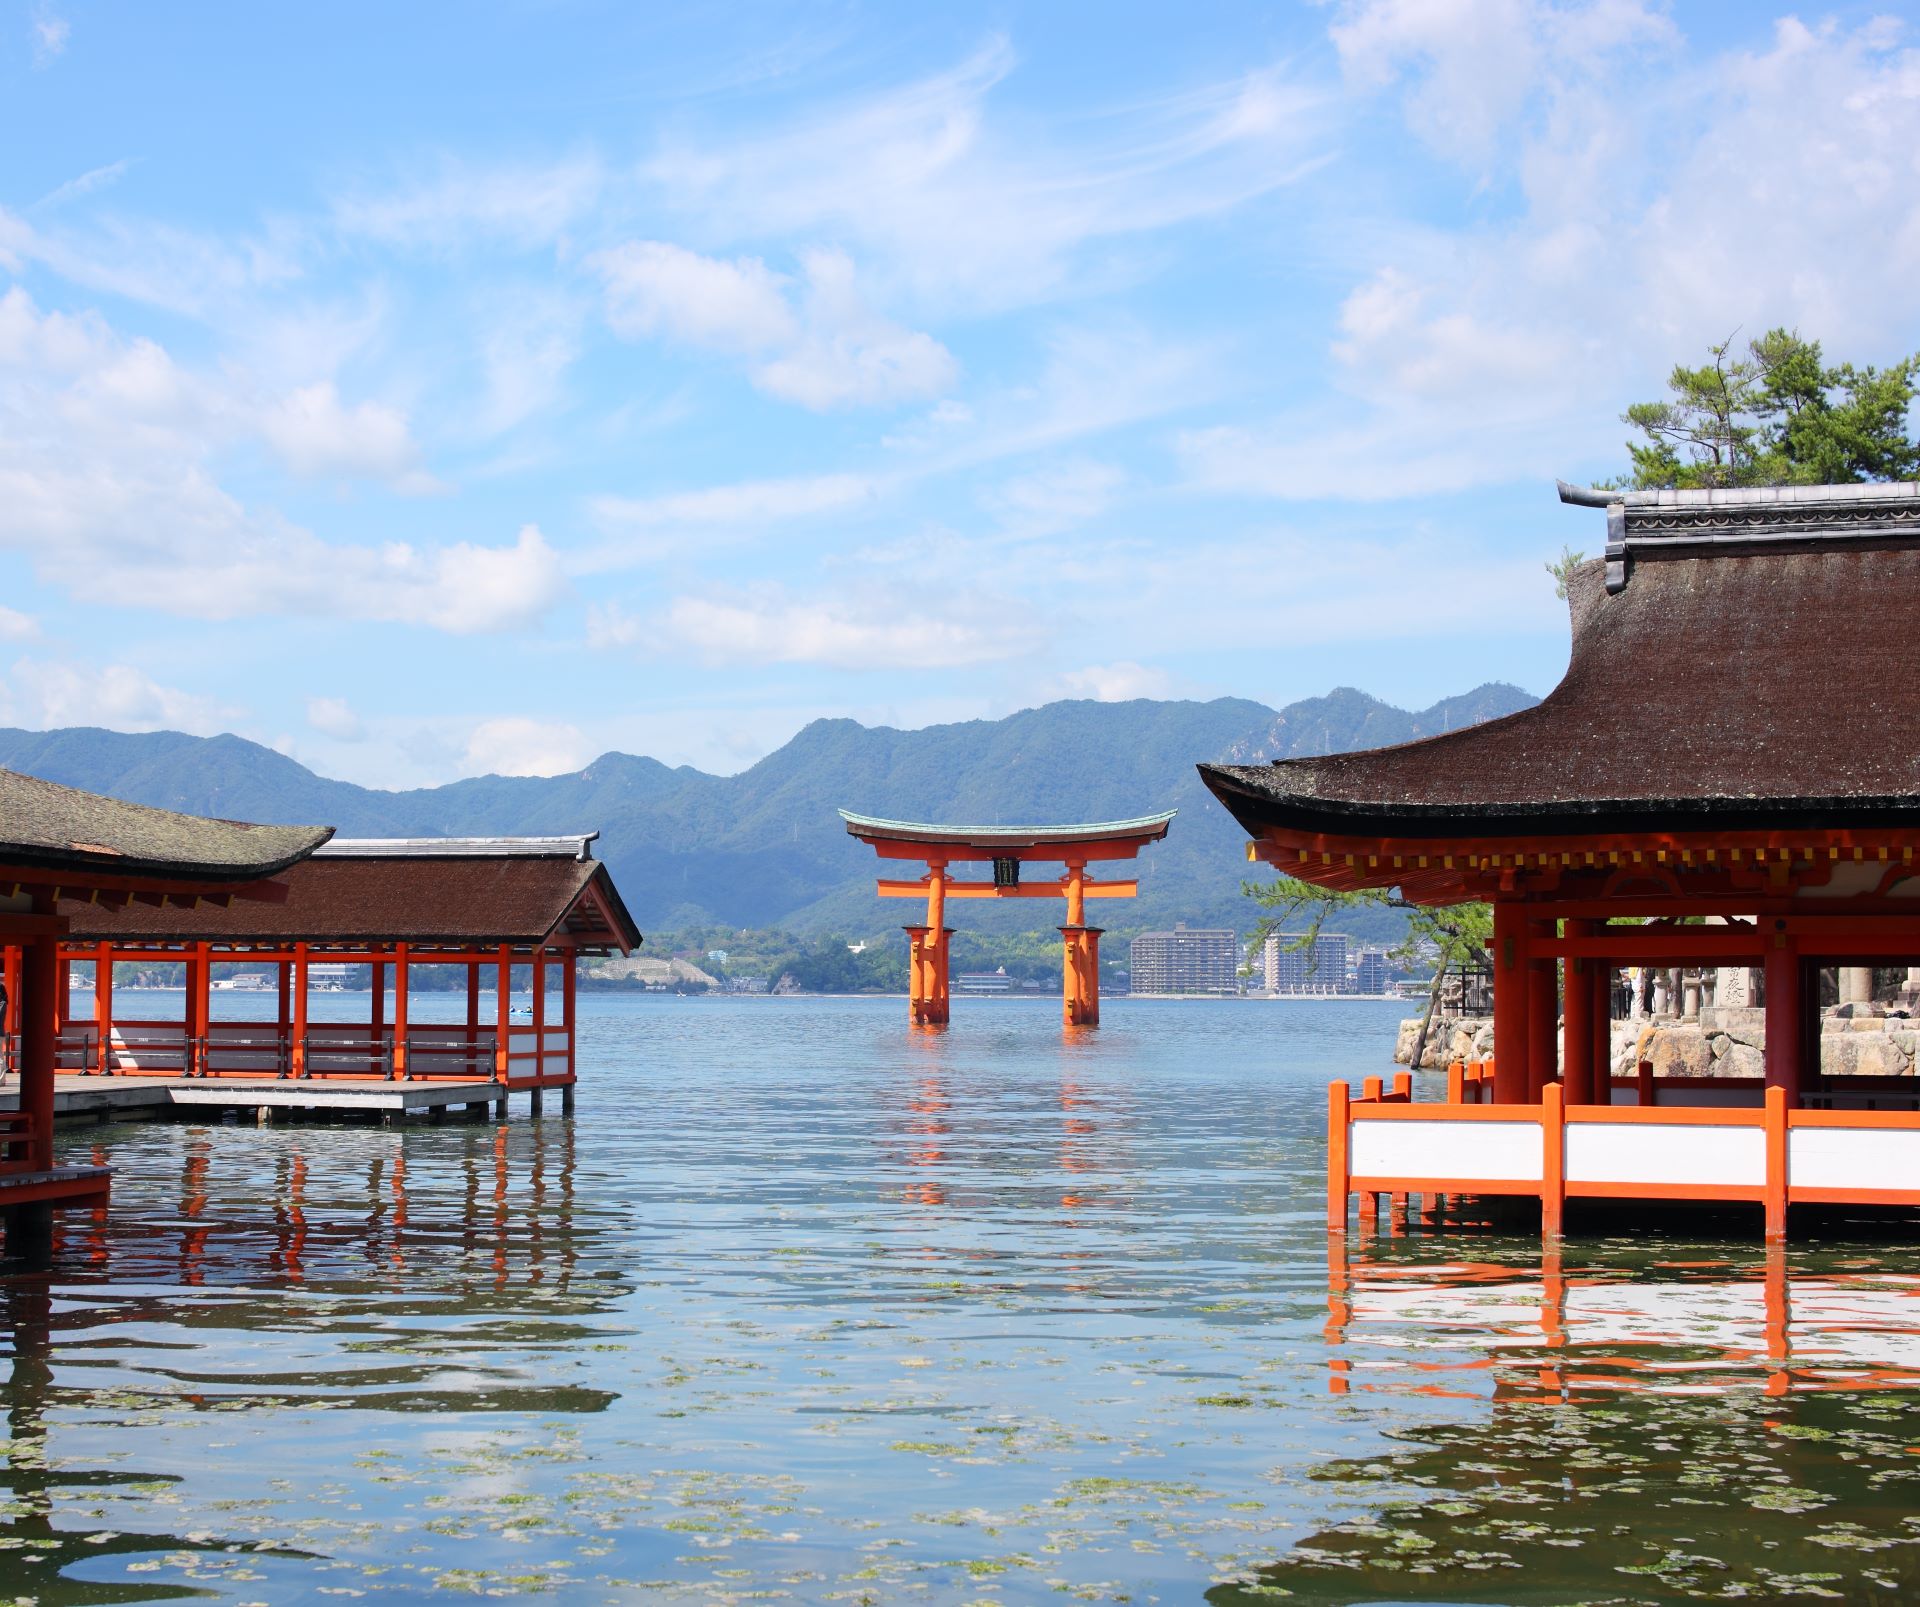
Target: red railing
pixel 16 1141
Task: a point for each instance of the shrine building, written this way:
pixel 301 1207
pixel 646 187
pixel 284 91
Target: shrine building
pixel 1727 776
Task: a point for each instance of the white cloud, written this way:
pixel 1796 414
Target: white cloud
pixel 318 437
pixel 515 746
pixel 42 694
pixel 870 630
pixel 1656 211
pixel 1475 63
pixel 835 352
pixel 96 178
pixel 1059 496
pixel 524 205
pixel 850 355
pixel 16 626
pixel 50 33
pixel 644 528
pixel 956 206
pixel 657 289
pixel 106 482
pixel 1111 683
pixel 334 717
pixel 610 626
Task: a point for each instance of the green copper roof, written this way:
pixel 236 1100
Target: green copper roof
pixel 870 826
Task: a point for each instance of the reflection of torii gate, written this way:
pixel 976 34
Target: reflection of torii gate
pixel 1006 848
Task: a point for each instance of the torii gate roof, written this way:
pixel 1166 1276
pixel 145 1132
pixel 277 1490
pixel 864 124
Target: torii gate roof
pixel 1003 839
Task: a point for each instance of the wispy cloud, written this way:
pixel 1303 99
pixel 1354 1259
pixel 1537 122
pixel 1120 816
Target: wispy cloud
pixel 50 33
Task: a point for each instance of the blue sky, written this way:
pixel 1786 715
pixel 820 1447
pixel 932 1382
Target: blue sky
pixel 435 390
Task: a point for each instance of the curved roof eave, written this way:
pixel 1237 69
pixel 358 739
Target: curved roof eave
pixel 1152 827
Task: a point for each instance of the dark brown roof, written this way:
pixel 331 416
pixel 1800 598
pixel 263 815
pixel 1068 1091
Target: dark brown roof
pixel 1752 670
pixel 450 892
pixel 47 827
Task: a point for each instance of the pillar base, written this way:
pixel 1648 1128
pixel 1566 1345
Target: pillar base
pixel 928 999
pixel 1080 1001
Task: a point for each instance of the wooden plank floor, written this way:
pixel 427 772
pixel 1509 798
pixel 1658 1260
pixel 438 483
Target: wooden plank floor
pixel 79 1096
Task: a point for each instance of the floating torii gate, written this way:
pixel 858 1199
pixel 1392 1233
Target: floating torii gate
pixel 1006 848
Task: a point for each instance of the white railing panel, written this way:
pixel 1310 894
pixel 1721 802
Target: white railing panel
pixel 1493 1151
pixel 1647 1152
pixel 1853 1158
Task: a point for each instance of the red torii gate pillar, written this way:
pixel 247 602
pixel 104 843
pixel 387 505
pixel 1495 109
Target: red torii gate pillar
pixel 1007 848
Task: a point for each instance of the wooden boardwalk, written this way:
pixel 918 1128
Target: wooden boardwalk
pixel 107 1097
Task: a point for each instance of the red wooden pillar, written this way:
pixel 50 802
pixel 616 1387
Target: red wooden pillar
pixel 1543 1011
pixel 503 1014
pixel 473 1014
pixel 40 965
pixel 1600 987
pixel 399 1068
pixel 62 1003
pixel 1510 1001
pixel 297 1048
pixel 1577 1075
pixel 103 1006
pixel 283 1016
pixel 13 1005
pixel 540 1013
pixel 377 1014
pixel 199 1006
pixel 567 995
pixel 1786 1019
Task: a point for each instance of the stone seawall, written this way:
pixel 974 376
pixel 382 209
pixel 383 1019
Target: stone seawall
pixel 1726 1041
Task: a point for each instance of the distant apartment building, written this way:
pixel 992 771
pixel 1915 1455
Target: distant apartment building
pixel 1371 972
pixel 1186 960
pixel 983 982
pixel 1293 965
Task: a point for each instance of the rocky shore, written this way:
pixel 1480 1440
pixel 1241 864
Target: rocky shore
pixel 1724 1041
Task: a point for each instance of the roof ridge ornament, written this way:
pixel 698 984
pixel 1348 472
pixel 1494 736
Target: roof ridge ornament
pixel 1743 520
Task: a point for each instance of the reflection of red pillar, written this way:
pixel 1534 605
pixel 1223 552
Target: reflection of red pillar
pixel 1510 1083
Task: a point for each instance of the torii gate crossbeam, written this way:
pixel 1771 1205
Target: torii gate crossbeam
pixel 1007 849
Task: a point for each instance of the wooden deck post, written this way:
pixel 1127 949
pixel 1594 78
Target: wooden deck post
pixel 1553 1159
pixel 1510 1077
pixel 297 1048
pixel 1777 1181
pixel 400 1013
pixel 103 1007
pixel 1786 1008
pixel 12 974
pixel 1338 1176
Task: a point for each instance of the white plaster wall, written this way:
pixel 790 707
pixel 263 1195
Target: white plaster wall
pixel 1465 1150
pixel 1853 1158
pixel 1646 1152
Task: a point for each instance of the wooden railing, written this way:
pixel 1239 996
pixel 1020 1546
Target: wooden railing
pixel 16 1141
pixel 263 1050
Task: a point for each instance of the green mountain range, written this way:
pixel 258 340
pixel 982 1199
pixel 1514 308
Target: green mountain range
pixel 765 848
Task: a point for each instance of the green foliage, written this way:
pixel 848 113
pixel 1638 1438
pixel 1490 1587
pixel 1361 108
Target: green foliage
pixel 1779 414
pixel 1562 569
pixel 1436 936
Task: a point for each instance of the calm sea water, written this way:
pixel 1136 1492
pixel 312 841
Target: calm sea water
pixel 805 1307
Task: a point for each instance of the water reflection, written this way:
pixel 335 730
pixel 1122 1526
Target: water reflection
pixel 1661 1424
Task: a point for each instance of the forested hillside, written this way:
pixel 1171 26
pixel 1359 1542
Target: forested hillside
pixel 765 847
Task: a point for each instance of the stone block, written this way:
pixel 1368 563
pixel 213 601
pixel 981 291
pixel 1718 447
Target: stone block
pixel 1741 1060
pixel 1678 1052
